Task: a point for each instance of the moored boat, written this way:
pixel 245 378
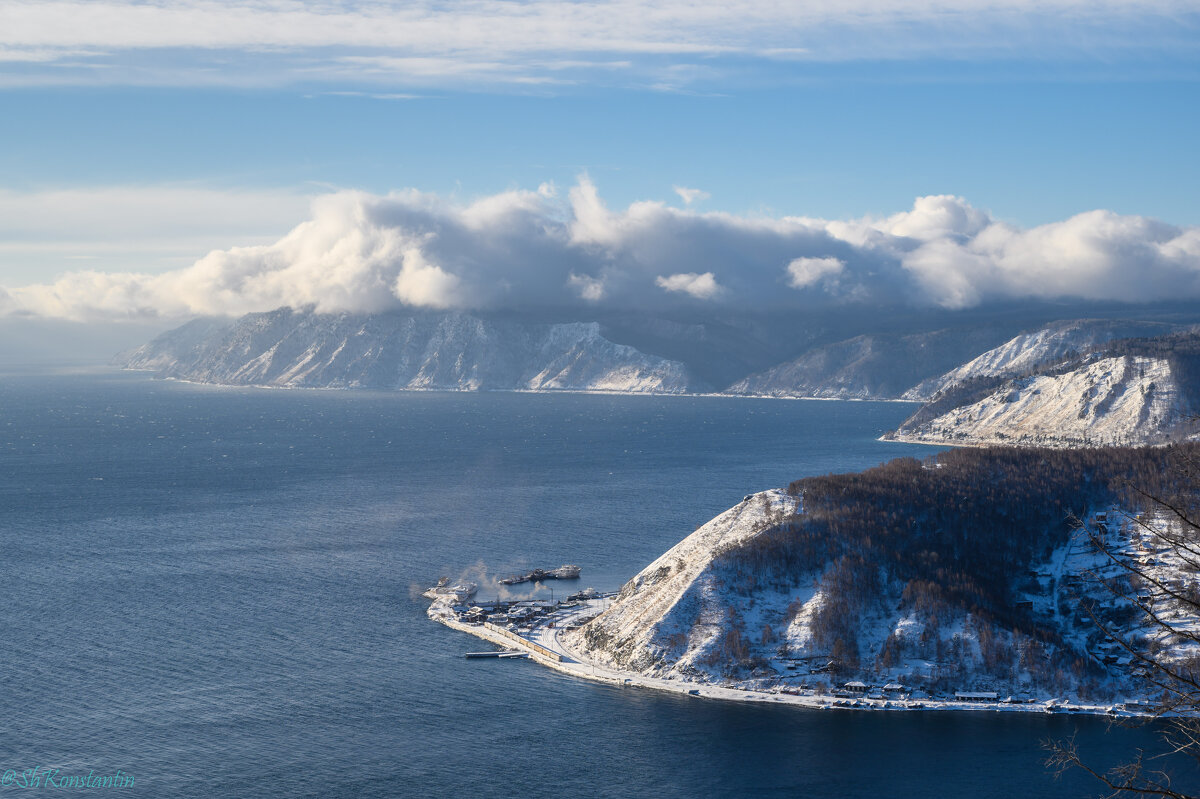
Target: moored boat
pixel 565 572
pixel 459 592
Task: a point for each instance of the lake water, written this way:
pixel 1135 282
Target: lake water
pixel 214 590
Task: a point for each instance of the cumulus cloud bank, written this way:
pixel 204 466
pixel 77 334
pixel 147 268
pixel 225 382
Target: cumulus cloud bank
pixel 523 249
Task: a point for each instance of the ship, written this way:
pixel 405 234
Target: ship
pixel 459 592
pixel 565 572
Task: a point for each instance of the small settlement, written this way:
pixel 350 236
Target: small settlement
pixel 516 614
pixel 530 626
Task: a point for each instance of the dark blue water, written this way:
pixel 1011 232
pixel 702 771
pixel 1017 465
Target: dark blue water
pixel 213 590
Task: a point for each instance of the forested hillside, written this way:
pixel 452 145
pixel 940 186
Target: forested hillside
pixel 960 571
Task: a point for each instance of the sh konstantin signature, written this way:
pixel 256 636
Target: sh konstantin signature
pixel 54 778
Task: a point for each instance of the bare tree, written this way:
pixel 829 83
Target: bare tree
pixel 1155 570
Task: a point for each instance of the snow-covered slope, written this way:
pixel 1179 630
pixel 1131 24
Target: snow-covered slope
pixel 690 615
pixel 448 351
pixel 870 367
pixel 1051 344
pixel 699 614
pixel 1113 401
pixel 671 617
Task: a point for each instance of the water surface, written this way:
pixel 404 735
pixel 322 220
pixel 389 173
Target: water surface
pixel 213 590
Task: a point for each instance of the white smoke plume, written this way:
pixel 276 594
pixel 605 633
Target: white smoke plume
pixel 518 249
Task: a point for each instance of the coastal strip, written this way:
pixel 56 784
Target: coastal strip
pixel 543 644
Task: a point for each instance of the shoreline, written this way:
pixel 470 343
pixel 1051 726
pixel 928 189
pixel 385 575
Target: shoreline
pixel 574 665
pixel 985 443
pixel 446 390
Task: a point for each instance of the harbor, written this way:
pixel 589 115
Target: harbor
pixel 526 628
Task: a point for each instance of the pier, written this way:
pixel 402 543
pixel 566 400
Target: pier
pixel 525 642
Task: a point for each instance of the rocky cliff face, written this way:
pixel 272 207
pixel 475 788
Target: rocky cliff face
pixel 1124 400
pixel 445 351
pixel 1055 343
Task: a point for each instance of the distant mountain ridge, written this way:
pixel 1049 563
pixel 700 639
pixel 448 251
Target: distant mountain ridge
pixel 477 351
pixel 983 381
pixel 870 366
pixel 1039 390
pixel 1053 343
pixel 443 351
pixel 1108 401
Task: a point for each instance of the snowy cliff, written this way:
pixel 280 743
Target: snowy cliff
pixel 1109 401
pixel 446 351
pixel 1054 343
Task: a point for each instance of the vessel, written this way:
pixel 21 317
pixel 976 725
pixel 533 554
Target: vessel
pixel 459 592
pixel 567 571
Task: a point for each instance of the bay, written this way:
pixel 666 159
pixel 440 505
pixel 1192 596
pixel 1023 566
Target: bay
pixel 215 590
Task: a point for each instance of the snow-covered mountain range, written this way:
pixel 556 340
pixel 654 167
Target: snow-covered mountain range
pixel 446 351
pixel 1061 384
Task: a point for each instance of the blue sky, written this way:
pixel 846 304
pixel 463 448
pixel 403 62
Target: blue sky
pixel 1031 150
pixel 137 137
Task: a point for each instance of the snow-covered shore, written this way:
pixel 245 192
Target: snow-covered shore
pixel 708 618
pixel 576 664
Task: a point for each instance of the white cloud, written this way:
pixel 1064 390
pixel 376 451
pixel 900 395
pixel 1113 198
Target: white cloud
pixel 589 288
pixel 702 287
pixel 520 249
pixel 496 41
pixel 804 272
pixel 423 284
pixel 690 196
